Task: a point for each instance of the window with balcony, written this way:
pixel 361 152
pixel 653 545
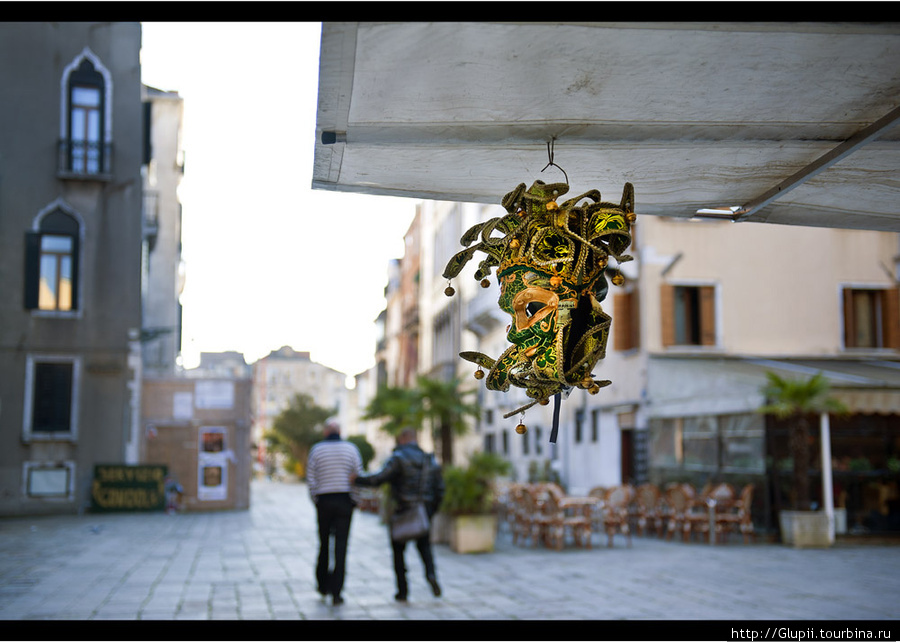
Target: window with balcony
pixel 871 318
pixel 688 315
pixel 51 263
pixel 85 128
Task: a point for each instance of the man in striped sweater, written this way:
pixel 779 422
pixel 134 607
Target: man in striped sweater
pixel 331 464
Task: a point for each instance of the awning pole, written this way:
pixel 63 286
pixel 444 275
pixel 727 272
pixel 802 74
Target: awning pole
pixel 827 486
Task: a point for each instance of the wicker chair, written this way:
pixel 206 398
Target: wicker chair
pixel 679 504
pixel 738 517
pixel 615 512
pixel 648 515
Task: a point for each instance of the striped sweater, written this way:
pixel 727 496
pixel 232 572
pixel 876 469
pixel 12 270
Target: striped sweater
pixel 329 466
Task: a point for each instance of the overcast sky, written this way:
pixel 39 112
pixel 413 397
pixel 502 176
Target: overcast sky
pixel 270 261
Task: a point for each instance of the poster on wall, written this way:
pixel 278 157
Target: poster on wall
pixel 212 464
pixel 214 394
pixel 183 405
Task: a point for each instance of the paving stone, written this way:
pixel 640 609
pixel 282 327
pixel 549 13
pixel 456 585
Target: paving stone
pixel 259 564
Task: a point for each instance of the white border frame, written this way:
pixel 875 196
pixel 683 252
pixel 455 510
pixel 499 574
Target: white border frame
pixel 28 435
pixel 29 466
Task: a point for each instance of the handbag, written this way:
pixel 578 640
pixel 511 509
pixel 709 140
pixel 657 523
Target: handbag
pixel 413 522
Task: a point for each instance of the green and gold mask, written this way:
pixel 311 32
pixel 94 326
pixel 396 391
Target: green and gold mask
pixel 552 261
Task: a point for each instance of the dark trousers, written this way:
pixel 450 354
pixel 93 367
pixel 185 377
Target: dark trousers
pixel 334 512
pixel 424 545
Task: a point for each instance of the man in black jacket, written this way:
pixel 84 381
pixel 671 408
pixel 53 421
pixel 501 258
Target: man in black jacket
pixel 404 470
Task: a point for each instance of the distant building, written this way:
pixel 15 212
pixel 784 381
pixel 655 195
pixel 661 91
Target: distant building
pixel 70 259
pixel 281 375
pixel 162 265
pixel 199 428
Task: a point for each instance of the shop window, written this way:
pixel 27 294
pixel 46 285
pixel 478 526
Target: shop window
pixel 871 318
pixel 688 315
pixel 701 442
pixel 665 442
pixel 727 443
pixel 51 393
pixel 743 442
pixel 51 263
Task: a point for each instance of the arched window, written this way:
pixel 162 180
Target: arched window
pixel 85 127
pixel 51 262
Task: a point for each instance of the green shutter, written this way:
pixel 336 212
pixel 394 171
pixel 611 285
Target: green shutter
pixel 32 269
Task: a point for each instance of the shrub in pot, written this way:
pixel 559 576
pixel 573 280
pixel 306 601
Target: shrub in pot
pixel 468 502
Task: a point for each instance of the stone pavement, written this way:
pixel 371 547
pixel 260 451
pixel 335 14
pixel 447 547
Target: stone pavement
pixel 258 565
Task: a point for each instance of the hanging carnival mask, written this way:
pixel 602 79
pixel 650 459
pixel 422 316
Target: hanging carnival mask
pixel 552 260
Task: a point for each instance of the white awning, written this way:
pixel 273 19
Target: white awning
pixel 778 122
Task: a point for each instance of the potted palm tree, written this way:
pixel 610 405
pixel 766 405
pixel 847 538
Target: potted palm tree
pixel 797 400
pixel 469 502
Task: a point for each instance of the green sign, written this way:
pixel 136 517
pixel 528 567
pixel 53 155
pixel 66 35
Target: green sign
pixel 119 487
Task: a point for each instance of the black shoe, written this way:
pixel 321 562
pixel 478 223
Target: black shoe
pixel 337 600
pixel 435 587
pixel 400 597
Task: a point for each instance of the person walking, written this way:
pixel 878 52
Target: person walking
pixel 331 465
pixel 404 470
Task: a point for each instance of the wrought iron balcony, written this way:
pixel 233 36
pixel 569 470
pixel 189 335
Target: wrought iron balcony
pixel 84 160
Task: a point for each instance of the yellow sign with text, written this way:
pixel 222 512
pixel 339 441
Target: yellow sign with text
pixel 119 487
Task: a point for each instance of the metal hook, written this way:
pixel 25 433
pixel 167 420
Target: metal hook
pixel 550 146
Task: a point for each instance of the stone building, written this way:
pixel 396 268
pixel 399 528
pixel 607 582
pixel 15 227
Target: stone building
pixel 70 258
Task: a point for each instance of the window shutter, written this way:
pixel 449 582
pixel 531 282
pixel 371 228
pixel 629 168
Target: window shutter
pixel 634 326
pixel 667 313
pixel 32 269
pixel 147 151
pixel 625 323
pixel 75 262
pixel 621 321
pixel 707 315
pixel 890 311
pixel 849 325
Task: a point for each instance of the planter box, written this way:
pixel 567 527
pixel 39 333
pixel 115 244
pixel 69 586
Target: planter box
pixel 473 533
pixel 805 529
pixel 840 521
pixel 440 529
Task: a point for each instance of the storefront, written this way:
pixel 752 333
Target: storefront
pixel 704 427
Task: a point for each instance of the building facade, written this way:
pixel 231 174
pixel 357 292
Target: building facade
pixel 707 308
pixel 162 266
pixel 70 259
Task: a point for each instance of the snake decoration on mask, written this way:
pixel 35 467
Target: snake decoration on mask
pixel 551 261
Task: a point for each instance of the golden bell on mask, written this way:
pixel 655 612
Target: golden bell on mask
pixel 449 291
pixel 514 243
pixel 618 279
pixel 594 389
pixel 602 262
pixel 552 205
pixel 521 429
pixel 631 217
pixel 544 401
pixel 555 281
pixel 485 283
pixel 479 374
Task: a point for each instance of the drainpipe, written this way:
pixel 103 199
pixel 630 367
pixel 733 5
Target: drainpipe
pixel 827 486
pixel 132 445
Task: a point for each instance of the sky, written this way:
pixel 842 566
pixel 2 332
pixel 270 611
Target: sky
pixel 269 261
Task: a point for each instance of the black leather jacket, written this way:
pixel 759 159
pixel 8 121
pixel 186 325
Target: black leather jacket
pixel 403 470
